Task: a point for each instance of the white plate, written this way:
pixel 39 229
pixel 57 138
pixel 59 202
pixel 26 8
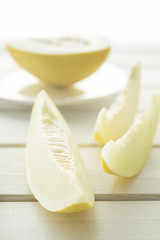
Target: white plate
pixel 18 86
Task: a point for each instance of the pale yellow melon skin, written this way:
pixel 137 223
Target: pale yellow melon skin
pixel 60 69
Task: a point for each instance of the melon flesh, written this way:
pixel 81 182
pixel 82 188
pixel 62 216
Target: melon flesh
pixel 55 171
pixel 60 45
pixel 111 124
pixel 127 156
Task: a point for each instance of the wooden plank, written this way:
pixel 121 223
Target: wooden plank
pixel 108 220
pixel 128 58
pixel 14 124
pixel 145 186
pixel 150 59
pixel 150 78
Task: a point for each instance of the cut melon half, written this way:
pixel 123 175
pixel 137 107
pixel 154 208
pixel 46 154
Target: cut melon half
pixel 111 124
pixel 61 60
pixel 55 171
pixel 126 156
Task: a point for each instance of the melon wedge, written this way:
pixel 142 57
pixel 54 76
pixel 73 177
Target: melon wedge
pixel 55 171
pixel 111 124
pixel 61 60
pixel 126 156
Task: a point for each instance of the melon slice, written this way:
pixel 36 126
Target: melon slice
pixel 61 60
pixel 55 171
pixel 111 124
pixel 126 156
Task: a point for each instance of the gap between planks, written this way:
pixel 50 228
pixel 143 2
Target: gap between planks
pixel 82 145
pixel 98 197
pixel 23 145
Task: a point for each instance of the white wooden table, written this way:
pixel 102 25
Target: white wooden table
pixel 124 208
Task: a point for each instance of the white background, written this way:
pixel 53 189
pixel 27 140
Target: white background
pixel 128 24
